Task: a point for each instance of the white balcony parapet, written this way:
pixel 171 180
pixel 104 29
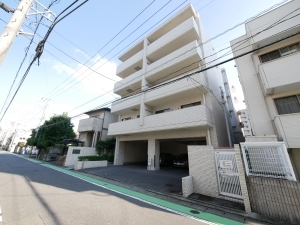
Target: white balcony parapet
pixel 129 62
pixel 90 124
pixel 175 57
pixel 197 116
pixel 128 81
pixel 177 87
pixel 178 31
pixel 288 129
pixel 281 74
pixel 126 103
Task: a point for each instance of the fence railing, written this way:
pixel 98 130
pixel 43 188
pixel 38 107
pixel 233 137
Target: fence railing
pixel 267 159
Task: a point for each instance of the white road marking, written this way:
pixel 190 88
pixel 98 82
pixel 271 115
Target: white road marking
pixel 0 215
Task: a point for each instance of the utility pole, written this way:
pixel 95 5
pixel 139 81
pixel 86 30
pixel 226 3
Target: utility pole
pixel 13 27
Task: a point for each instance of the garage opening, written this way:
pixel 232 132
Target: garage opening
pixel 135 152
pixel 174 152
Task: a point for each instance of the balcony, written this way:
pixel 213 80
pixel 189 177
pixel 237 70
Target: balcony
pixel 90 124
pixel 194 117
pixel 178 62
pixel 181 35
pixel 288 129
pixel 177 90
pixel 129 84
pixel 281 74
pixel 130 65
pixel 126 105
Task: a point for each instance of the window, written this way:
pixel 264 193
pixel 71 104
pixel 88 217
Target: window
pixel 128 118
pixel 190 105
pixel 288 105
pixel 163 111
pixel 280 53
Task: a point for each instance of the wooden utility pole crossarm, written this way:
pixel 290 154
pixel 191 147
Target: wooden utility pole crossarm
pixel 13 27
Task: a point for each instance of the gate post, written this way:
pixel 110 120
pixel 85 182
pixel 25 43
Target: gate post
pixel 243 183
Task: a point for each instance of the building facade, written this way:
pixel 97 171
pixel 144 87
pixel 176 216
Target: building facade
pixel 95 127
pixel 161 111
pixel 245 122
pixel 236 135
pixel 270 77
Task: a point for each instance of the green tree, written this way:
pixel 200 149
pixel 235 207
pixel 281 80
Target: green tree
pixel 57 128
pixel 106 146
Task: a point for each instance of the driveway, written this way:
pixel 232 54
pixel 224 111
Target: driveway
pixel 165 180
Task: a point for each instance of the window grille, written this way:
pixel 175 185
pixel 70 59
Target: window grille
pixel 280 53
pixel 267 159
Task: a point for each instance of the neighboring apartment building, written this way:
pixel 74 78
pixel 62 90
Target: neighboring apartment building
pixel 167 117
pixel 95 127
pixel 18 139
pixel 270 77
pixel 245 122
pixel 236 134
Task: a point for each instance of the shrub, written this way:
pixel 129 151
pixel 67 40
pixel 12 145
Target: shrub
pixel 110 158
pixel 91 158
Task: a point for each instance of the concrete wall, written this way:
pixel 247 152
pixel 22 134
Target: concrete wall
pixel 87 137
pixel 276 198
pixel 135 152
pixel 72 158
pixel 203 170
pixel 79 165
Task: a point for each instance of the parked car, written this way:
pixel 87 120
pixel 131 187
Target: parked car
pixel 181 160
pixel 166 159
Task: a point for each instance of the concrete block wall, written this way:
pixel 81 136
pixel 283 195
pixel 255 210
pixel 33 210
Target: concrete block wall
pixel 276 198
pixel 187 186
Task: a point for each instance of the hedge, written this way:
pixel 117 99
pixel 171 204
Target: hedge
pixel 91 158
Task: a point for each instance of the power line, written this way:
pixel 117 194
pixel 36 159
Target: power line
pixel 40 47
pixel 106 44
pixel 26 52
pixel 118 45
pixel 274 24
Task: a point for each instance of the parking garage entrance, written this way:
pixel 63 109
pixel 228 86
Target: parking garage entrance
pixel 135 152
pixel 177 148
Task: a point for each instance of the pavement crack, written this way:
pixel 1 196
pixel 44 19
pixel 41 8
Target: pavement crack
pixel 42 219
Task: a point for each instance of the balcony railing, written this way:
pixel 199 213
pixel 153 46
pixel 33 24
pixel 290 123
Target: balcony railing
pixel 189 56
pixel 133 80
pixel 126 104
pixel 169 42
pixel 197 116
pixel 90 124
pixel 124 69
pixel 281 74
pixel 288 129
pixel 172 91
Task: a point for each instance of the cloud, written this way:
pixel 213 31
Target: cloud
pixel 77 50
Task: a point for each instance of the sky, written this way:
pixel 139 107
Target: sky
pixel 61 83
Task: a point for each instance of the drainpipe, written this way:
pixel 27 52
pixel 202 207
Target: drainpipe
pixel 226 118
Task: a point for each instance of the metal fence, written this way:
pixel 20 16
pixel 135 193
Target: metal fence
pixel 267 159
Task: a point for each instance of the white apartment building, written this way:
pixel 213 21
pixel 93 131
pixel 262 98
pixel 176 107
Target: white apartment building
pixel 170 113
pixel 270 77
pixel 245 122
pixel 236 134
pixel 95 127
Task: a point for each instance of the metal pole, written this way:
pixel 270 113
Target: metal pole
pixel 13 27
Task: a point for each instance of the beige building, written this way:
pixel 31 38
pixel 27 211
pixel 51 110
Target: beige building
pixel 165 113
pixel 270 77
pixel 95 127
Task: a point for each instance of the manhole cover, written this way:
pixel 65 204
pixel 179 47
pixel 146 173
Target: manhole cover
pixel 194 211
pixel 169 185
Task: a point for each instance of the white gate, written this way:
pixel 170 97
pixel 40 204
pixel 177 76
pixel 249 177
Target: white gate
pixel 227 174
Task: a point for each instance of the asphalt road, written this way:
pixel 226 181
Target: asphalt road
pixel 31 193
